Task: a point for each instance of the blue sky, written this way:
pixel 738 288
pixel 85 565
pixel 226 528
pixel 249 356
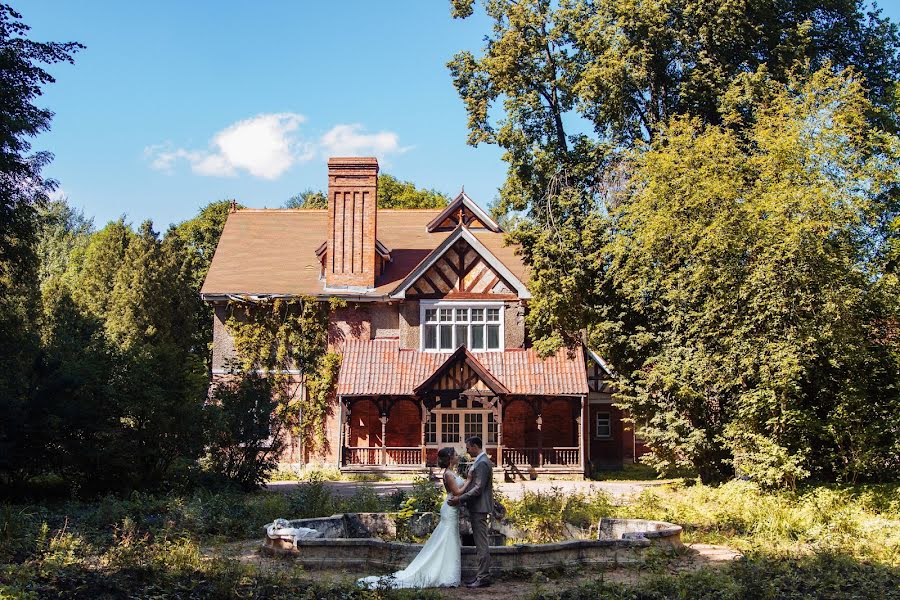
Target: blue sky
pixel 173 105
pixel 176 104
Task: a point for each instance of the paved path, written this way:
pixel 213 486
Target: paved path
pixel 620 491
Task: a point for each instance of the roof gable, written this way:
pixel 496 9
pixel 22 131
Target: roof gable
pixel 462 211
pixel 457 275
pixel 471 376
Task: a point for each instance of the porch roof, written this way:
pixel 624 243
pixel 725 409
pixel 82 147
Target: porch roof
pixel 382 368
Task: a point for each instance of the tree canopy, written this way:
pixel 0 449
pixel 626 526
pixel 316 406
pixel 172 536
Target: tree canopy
pixel 707 193
pixel 392 193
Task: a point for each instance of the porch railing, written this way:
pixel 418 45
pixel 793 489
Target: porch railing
pixel 552 456
pixel 412 455
pixel 364 455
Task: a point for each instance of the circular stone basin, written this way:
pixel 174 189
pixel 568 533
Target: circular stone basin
pixel 362 541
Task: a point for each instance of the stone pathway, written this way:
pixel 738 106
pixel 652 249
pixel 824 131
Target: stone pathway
pixel 620 491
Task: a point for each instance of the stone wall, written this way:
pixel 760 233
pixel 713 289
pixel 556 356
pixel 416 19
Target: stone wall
pixel 514 325
pixel 223 343
pixel 385 320
pixel 409 325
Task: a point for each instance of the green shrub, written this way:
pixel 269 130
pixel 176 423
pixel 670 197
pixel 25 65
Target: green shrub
pixel 544 515
pixel 312 499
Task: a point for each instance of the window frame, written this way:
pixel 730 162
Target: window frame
pixel 489 421
pixel 425 305
pixel 597 416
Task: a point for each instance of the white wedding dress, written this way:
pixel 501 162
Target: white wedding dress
pixel 439 562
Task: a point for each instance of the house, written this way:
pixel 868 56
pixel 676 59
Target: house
pixel 433 338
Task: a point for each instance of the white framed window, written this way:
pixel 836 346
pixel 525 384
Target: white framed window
pixel 454 421
pixel 448 325
pixel 431 430
pixel 603 426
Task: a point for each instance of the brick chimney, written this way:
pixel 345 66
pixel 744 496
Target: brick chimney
pixel 352 220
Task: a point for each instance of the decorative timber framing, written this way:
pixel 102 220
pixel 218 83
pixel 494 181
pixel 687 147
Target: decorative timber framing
pixel 455 271
pixel 462 211
pixel 471 377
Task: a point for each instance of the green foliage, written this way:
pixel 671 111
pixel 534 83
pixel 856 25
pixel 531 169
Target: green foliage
pixel 820 576
pixel 862 522
pixel 64 232
pixel 308 198
pixel 243 440
pixel 392 193
pixel 750 262
pixel 23 190
pixel 283 335
pixel 544 516
pixel 719 230
pixel 314 498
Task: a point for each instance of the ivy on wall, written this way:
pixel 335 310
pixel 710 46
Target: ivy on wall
pixel 286 339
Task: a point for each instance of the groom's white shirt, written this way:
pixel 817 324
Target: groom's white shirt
pixel 479 457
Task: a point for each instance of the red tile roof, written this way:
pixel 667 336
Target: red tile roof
pixel 381 367
pixel 273 251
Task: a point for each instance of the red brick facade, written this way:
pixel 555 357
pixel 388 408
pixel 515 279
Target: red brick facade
pixel 352 222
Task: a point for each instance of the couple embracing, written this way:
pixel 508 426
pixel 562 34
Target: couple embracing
pixel 439 563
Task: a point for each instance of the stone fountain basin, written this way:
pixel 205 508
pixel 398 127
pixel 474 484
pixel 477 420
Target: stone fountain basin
pixel 353 541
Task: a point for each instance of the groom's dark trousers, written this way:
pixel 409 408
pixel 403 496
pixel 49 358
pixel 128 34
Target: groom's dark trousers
pixel 480 534
pixel 479 497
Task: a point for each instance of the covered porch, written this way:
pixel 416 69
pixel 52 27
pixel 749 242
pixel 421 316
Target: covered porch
pixel 524 437
pixel 399 407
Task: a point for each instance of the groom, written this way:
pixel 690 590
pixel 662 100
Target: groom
pixel 480 500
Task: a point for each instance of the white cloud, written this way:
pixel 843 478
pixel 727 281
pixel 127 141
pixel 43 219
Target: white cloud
pixel 264 146
pixel 349 140
pixel 267 145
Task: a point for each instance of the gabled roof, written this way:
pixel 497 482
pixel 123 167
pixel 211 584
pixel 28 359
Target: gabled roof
pixel 463 355
pixel 381 367
pixel 465 204
pixel 272 252
pixel 600 362
pixel 461 232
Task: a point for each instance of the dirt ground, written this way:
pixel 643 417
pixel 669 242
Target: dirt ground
pixel 694 557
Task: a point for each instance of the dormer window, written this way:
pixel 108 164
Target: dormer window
pixel 448 325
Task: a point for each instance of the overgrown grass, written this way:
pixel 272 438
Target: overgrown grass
pixel 824 541
pixel 150 546
pixel 314 472
pixel 862 522
pixel 544 516
pixel 819 576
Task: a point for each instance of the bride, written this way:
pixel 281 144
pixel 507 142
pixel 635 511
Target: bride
pixel 439 562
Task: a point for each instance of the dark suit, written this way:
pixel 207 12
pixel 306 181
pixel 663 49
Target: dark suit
pixel 479 498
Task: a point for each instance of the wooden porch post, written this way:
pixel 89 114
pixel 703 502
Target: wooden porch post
pixel 540 426
pixel 384 421
pixel 580 422
pixel 499 417
pixel 426 416
pixel 342 419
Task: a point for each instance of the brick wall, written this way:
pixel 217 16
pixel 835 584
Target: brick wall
pixel 350 322
pixel 404 427
pixel 559 424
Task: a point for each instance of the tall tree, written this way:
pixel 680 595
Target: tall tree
pixel 22 189
pixel 576 91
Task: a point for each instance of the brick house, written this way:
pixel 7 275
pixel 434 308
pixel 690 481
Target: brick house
pixel 433 339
